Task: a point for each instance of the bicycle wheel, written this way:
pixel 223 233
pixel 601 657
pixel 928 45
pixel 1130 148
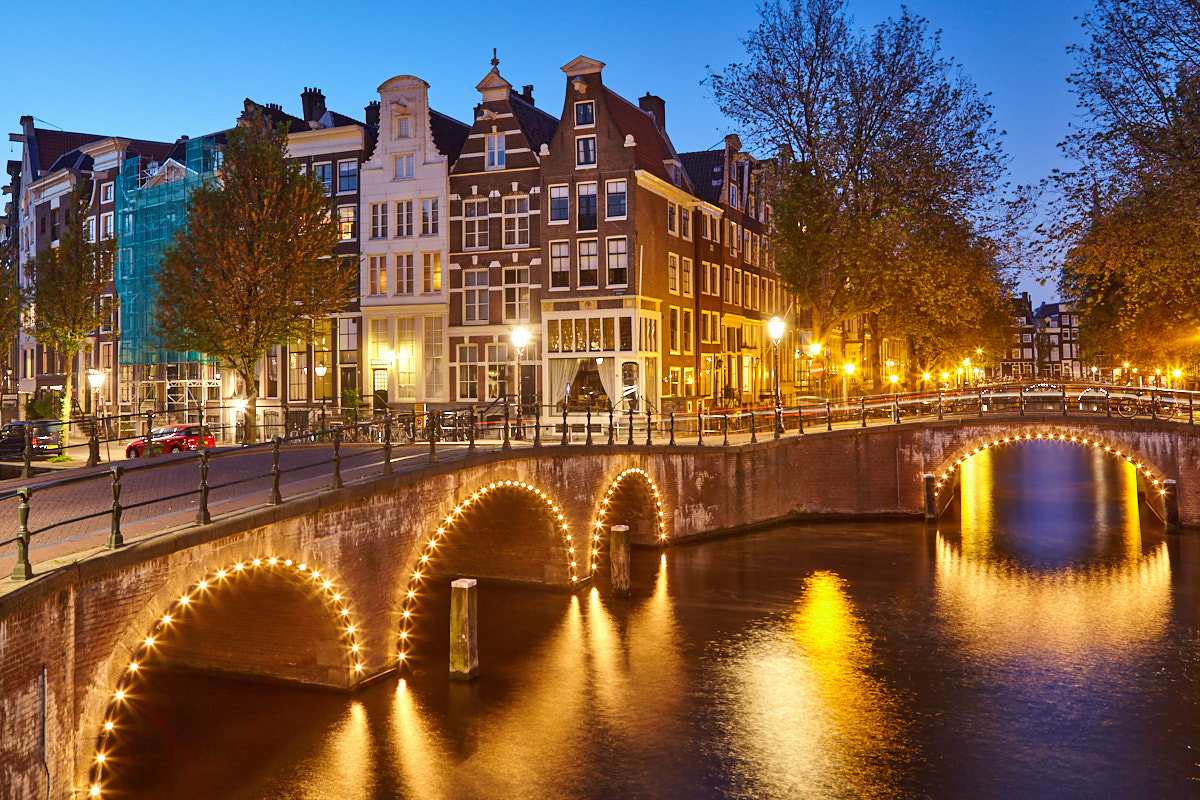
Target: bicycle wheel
pixel 1165 408
pixel 1127 408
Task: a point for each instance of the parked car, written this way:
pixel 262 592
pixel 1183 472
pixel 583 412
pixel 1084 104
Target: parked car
pixel 169 439
pixel 47 434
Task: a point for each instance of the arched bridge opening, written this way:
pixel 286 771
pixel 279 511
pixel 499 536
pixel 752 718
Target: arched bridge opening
pixel 632 499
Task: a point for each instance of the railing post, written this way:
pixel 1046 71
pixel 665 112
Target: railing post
pixel 1021 392
pixel 115 539
pixel 149 449
pixel 537 424
pixel 896 410
pixel 387 443
pixel 828 416
pixel 276 497
pixel 27 470
pixel 754 432
pixel 940 416
pixel 799 420
pixel 94 444
pixel 202 515
pixel 589 426
pixel 23 570
pixel 1191 411
pixel 630 442
pixel 981 404
pixel 1108 406
pixel 1064 401
pixel 471 430
pixel 610 423
pixel 336 481
pixel 433 432
pixel 672 442
pixel 699 428
pixel 507 444
pixel 648 421
pixel 725 429
pixel 565 428
pixel 862 405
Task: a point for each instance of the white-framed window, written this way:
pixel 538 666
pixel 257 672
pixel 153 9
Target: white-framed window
pixel 673 273
pixel 686 330
pixel 376 275
pixel 516 221
pixel 585 113
pixel 673 382
pixel 728 284
pixel 587 206
pixel 516 294
pixel 106 225
pixel 475 224
pixel 403 127
pixel 685 277
pixel 468 372
pixel 495 151
pixel 347 176
pixel 673 328
pixel 560 265
pixel 347 223
pixel 402 167
pixel 434 354
pixel 497 370
pixel 560 203
pixel 324 175
pixel 379 340
pixel 734 236
pixel 429 216
pixel 406 358
pixel 106 192
pixel 673 218
pixel 405 280
pixel 379 220
pixel 615 193
pixel 737 287
pixel 588 263
pixel 89 229
pixel 585 151
pixel 618 261
pixel 685 223
pixel 404 219
pixel 475 295
pixel 431 273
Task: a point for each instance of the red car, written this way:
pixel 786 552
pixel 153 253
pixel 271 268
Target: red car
pixel 169 439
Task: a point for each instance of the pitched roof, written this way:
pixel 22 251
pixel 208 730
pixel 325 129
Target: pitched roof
pixel 653 146
pixel 537 125
pixel 51 145
pixel 78 160
pixel 706 168
pixel 449 135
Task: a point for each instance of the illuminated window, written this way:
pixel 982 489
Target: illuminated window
pixel 431 273
pixel 348 222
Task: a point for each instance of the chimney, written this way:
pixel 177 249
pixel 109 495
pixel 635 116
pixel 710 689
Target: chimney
pixel 372 112
pixel 275 106
pixel 313 103
pixel 657 108
pixel 527 93
pixel 733 143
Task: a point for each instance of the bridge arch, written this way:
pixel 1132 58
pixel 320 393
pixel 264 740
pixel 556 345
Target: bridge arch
pixel 169 614
pixel 439 541
pixel 632 496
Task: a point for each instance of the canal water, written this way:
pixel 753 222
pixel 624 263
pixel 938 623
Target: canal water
pixel 1046 646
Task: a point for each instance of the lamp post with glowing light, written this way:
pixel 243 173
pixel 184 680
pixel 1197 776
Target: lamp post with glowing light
pixel 520 338
pixel 96 380
pixel 847 371
pixel 814 350
pixel 239 405
pixel 775 329
pixel 1175 373
pixel 321 369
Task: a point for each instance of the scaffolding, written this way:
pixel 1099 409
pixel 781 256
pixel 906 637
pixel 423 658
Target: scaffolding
pixel 152 205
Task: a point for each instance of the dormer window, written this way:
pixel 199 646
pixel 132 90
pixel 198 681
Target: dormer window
pixel 403 127
pixel 585 113
pixel 495 151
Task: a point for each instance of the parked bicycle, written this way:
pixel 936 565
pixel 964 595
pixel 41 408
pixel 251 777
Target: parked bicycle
pixel 1149 404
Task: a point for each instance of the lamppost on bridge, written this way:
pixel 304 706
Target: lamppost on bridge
pixel 520 338
pixel 847 371
pixel 321 369
pixel 1175 373
pixel 775 329
pixel 814 350
pixel 96 380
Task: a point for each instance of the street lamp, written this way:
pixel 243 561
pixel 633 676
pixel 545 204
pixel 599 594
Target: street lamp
pixel 847 370
pixel 239 405
pixel 96 380
pixel 321 369
pixel 1175 374
pixel 814 350
pixel 775 329
pixel 520 338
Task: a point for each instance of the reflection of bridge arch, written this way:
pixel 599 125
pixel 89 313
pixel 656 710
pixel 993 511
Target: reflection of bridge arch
pixel 628 499
pixel 948 472
pixel 171 616
pixel 434 545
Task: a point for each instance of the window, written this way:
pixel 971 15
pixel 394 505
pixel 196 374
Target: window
pixel 377 275
pixel 585 151
pixel 379 220
pixel 108 316
pixel 429 217
pixel 673 382
pixel 324 175
pixel 106 192
pixel 673 273
pixel 736 297
pixel 404 273
pixel 587 206
pixel 560 265
pixel 475 224
pixel 297 370
pixel 585 113
pixel 431 273
pixel 687 330
pixel 347 176
pixel 435 381
pixel 475 295
pixel 728 284
pixel 626 328
pixel 403 127
pixel 516 221
pixel 89 229
pixel 734 236
pixel 588 268
pixel 495 151
pixel 406 358
pixel 468 372
pixel 672 214
pixel 348 222
pixel 348 340
pixel 618 262
pixel 516 294
pixel 615 190
pixel 560 203
pixel 497 370
pixel 686 277
pixel 404 218
pixel 673 328
pixel 685 223
pixel 106 225
pixel 402 167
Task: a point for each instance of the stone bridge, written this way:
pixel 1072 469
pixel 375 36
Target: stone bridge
pixel 320 590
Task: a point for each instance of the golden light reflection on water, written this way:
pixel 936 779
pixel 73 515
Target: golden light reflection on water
pixel 805 716
pixel 345 765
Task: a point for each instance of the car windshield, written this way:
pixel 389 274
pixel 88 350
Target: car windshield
pixel 160 432
pixel 12 429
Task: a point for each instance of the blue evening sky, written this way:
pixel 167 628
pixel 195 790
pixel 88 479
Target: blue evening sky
pixel 160 70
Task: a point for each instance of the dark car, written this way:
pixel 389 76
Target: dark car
pixel 169 439
pixel 47 434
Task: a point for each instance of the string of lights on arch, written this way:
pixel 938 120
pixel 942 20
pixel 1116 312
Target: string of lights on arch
pixel 190 599
pixel 1059 437
pixel 408 602
pixel 603 511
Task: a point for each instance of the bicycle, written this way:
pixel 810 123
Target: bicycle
pixel 1153 406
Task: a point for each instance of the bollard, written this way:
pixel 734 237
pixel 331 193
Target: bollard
pixel 23 570
pixel 700 429
pixel 754 432
pixel 862 407
pixel 115 539
pixel 537 424
pixel 896 410
pixel 610 424
pixel 725 429
pixel 433 434
pixel 94 445
pixel 940 404
pixel 647 427
pixel 563 443
pixel 1108 406
pixel 387 444
pixel 630 442
pixel 672 424
pixel 828 416
pixel 276 498
pixel 27 470
pixel 981 404
pixel 618 561
pixel 589 427
pixel 1064 401
pixel 931 514
pixel 202 516
pixel 148 450
pixel 1170 496
pixel 464 624
pixel 336 481
pixel 471 430
pixel 1022 393
pixel 507 444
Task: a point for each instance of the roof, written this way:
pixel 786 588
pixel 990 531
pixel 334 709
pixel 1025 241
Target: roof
pixel 449 135
pixel 653 145
pixel 77 160
pixel 51 145
pixel 706 168
pixel 537 125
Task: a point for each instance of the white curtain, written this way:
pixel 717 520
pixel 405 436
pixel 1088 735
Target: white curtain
pixel 562 372
pixel 608 379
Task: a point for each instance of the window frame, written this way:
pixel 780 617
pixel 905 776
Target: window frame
pixel 479 294
pixel 341 176
pixel 566 197
pixel 493 156
pixel 558 258
pixel 579 152
pixel 609 194
pixel 410 160
pixel 591 104
pixel 475 225
pixel 516 218
pixel 318 168
pixel 608 260
pixel 579 262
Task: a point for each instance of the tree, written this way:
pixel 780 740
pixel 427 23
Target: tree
pixel 887 169
pixel 10 298
pixel 65 287
pixel 253 267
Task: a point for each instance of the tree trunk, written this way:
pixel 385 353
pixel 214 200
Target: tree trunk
pixel 65 412
pixel 251 410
